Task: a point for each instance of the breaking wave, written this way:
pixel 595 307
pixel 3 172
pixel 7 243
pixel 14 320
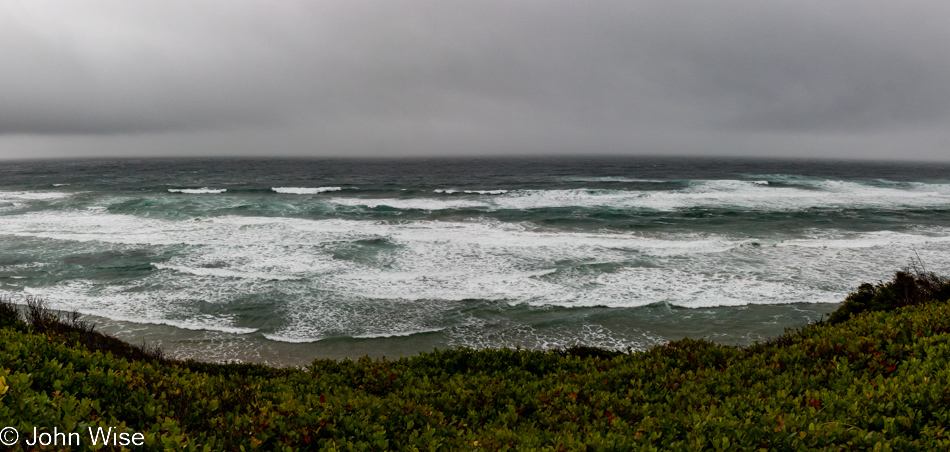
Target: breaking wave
pixel 304 190
pixel 196 191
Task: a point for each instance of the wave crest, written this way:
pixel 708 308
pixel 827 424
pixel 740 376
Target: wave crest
pixel 197 191
pixel 304 190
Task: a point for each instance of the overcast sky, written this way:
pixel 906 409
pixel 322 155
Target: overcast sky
pixel 842 79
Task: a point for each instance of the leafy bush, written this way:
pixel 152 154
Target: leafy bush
pixel 9 314
pixel 909 288
pixel 73 329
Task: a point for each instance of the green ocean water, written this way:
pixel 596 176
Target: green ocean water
pixel 284 261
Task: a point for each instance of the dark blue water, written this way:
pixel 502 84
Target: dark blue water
pixel 283 261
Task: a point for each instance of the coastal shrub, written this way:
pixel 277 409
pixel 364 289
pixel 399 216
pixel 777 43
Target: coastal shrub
pixel 9 314
pixel 876 381
pixel 909 287
pixel 75 330
pixel 584 351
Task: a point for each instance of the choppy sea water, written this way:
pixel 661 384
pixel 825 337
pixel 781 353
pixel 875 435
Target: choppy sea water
pixel 284 261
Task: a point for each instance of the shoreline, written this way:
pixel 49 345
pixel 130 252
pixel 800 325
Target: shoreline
pixel 223 347
pixel 866 377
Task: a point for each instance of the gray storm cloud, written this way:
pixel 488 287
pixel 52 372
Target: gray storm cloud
pixel 856 79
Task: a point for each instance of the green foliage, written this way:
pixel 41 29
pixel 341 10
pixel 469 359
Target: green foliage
pixel 877 381
pixel 74 330
pixel 584 351
pixel 909 287
pixel 10 315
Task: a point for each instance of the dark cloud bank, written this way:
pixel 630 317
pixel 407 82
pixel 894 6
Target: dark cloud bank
pixel 858 79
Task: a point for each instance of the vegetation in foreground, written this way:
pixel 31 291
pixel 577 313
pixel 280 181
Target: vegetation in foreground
pixel 876 375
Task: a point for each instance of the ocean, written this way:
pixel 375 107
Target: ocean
pixel 284 261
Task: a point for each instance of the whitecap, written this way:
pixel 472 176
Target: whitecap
pixel 432 266
pixel 732 194
pixel 611 179
pixel 487 192
pixel 141 308
pixel 303 339
pixel 868 240
pixel 292 339
pixel 32 195
pixel 203 190
pixel 753 195
pixel 412 203
pixel 396 333
pixel 304 190
pixel 449 191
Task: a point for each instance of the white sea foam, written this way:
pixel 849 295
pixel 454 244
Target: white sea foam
pixel 296 339
pixel 738 194
pixel 867 240
pixel 330 284
pixel 114 303
pixel 412 203
pixel 305 190
pixel 8 196
pixel 635 286
pixel 195 324
pixel 486 192
pixel 397 333
pixel 10 200
pixel 194 191
pixel 60 185
pixel 611 179
pixel 450 191
pixel 221 272
pixel 318 318
pixel 476 334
